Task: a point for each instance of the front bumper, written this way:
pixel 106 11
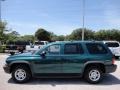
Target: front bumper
pixel 110 68
pixel 6 68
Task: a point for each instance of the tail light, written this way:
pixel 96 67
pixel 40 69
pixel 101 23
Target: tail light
pixel 113 60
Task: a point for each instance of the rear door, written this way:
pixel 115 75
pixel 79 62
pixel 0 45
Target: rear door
pixel 72 58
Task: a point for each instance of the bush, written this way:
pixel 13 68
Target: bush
pixel 2 49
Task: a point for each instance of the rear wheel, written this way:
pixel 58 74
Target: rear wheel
pixel 21 74
pixel 93 75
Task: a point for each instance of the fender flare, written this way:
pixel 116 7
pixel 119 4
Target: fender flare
pixel 92 62
pixel 22 62
pixel 17 62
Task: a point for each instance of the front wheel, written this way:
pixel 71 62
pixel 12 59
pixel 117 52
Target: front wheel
pixel 21 74
pixel 116 57
pixel 12 53
pixel 93 75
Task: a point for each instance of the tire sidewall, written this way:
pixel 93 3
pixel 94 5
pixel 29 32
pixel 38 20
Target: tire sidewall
pixel 27 71
pixel 87 72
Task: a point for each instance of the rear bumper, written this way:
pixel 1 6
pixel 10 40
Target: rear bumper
pixel 6 68
pixel 110 68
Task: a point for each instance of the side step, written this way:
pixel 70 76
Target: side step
pixel 57 75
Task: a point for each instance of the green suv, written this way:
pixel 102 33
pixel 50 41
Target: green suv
pixel 87 59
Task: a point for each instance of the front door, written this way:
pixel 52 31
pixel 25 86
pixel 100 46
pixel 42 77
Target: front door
pixel 50 62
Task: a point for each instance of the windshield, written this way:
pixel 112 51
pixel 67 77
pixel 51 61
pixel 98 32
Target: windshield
pixel 112 44
pixel 39 43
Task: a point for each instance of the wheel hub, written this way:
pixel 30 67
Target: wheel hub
pixel 20 74
pixel 94 75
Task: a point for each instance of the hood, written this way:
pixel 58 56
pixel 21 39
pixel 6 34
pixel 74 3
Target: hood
pixel 23 56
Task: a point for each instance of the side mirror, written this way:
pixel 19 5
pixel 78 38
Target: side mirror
pixel 43 54
pixel 31 46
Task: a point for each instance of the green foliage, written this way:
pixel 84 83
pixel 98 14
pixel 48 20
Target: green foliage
pixel 2 48
pixel 60 38
pixel 112 34
pixel 3 31
pixel 77 34
pixel 57 38
pixel 30 38
pixel 12 36
pixel 43 35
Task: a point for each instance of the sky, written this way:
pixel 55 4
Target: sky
pixel 60 16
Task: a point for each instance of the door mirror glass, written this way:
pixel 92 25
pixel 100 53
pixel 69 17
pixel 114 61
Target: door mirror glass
pixel 43 54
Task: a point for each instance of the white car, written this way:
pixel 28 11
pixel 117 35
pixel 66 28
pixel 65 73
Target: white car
pixel 37 45
pixel 114 46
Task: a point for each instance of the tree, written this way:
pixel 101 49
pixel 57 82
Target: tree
pixel 3 31
pixel 15 33
pixel 12 36
pixel 58 38
pixel 42 35
pixel 55 37
pixel 77 34
pixel 29 38
pixel 112 34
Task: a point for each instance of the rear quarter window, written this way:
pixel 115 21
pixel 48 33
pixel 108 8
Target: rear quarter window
pixel 96 48
pixel 112 44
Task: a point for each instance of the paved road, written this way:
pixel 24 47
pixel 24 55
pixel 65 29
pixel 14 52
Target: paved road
pixel 110 82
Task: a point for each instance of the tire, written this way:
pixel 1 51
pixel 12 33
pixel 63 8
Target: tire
pixel 116 57
pixel 12 53
pixel 93 74
pixel 21 74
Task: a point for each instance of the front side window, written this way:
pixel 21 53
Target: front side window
pixel 53 49
pixel 95 48
pixel 73 49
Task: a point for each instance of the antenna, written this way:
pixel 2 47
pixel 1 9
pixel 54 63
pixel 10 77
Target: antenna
pixel 1 10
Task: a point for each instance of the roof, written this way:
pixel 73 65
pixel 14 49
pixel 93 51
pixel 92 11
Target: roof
pixel 62 42
pixel 109 41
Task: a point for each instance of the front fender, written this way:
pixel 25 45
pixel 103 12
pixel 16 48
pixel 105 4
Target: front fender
pixel 21 62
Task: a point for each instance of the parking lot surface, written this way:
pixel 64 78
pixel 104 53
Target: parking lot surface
pixel 110 82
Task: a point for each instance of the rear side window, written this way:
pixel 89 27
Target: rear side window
pixel 73 49
pixel 95 48
pixel 113 44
